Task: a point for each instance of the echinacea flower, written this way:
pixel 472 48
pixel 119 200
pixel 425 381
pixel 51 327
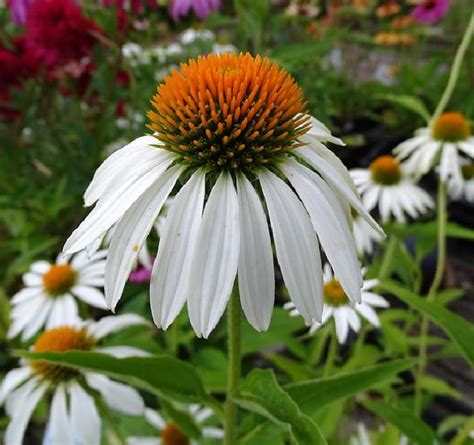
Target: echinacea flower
pixel 73 418
pixel 442 143
pixel 430 11
pixel 202 8
pixel 344 312
pixel 48 297
pixel 169 432
pixel 386 184
pixel 233 129
pixel 463 187
pixel 59 34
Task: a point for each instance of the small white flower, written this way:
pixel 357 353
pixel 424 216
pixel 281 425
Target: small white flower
pixel 265 150
pixel 463 187
pixel 345 313
pixel 170 434
pixel 50 292
pixel 73 418
pixel 386 184
pixel 191 35
pixel 441 143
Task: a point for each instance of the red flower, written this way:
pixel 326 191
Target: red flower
pixel 59 34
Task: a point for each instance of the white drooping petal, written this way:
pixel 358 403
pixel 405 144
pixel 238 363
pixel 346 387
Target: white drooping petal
pixel 114 323
pixel 215 257
pixel 340 183
pixel 296 246
pixel 85 420
pixel 28 293
pixel 29 395
pixel 116 165
pixel 63 312
pixel 32 279
pixel 322 133
pixel 59 425
pixel 171 270
pixel 113 206
pixel 256 276
pixel 12 379
pixel 38 320
pixel 118 396
pixel 330 223
pixel 341 323
pixel 40 267
pixel 132 231
pixel 90 295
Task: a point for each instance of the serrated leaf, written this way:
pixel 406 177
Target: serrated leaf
pixel 261 393
pixel 413 427
pixel 458 329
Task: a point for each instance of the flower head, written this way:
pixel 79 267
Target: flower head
pixel 447 138
pixel 430 11
pixel 59 34
pixel 48 296
pixel 233 128
pixel 386 184
pixel 73 414
pixel 202 8
pixel 339 307
pixel 462 187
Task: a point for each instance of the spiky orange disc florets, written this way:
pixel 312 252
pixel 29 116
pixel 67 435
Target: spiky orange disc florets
pixel 59 279
pixel 386 170
pixel 451 127
pixel 229 111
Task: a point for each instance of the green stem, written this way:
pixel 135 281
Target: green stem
pixel 233 370
pixel 386 266
pixel 331 354
pixel 463 434
pixel 438 277
pixel 455 69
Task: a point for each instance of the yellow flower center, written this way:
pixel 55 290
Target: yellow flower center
pixel 60 340
pixel 451 127
pixel 172 435
pixel 467 171
pixel 334 294
pixel 386 170
pixel 59 279
pixel 229 111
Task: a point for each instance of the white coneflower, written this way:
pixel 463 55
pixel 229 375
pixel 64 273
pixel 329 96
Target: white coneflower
pixel 232 129
pixel 385 184
pixel 50 292
pixel 73 419
pixel 442 143
pixel 170 434
pixel 463 187
pixel 345 313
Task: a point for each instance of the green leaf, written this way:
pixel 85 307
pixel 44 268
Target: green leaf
pixel 315 394
pixel 412 426
pixel 165 376
pixel 437 386
pixel 459 330
pixel 183 420
pixel 260 393
pixel 409 102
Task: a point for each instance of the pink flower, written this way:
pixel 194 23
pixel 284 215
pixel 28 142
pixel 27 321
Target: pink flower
pixel 19 10
pixel 140 275
pixel 58 33
pixel 202 8
pixel 430 11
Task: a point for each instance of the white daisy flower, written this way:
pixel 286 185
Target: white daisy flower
pixel 364 235
pixel 463 187
pixel 441 143
pixel 169 432
pixel 338 306
pixel 73 415
pixel 231 128
pixel 386 184
pixel 50 292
